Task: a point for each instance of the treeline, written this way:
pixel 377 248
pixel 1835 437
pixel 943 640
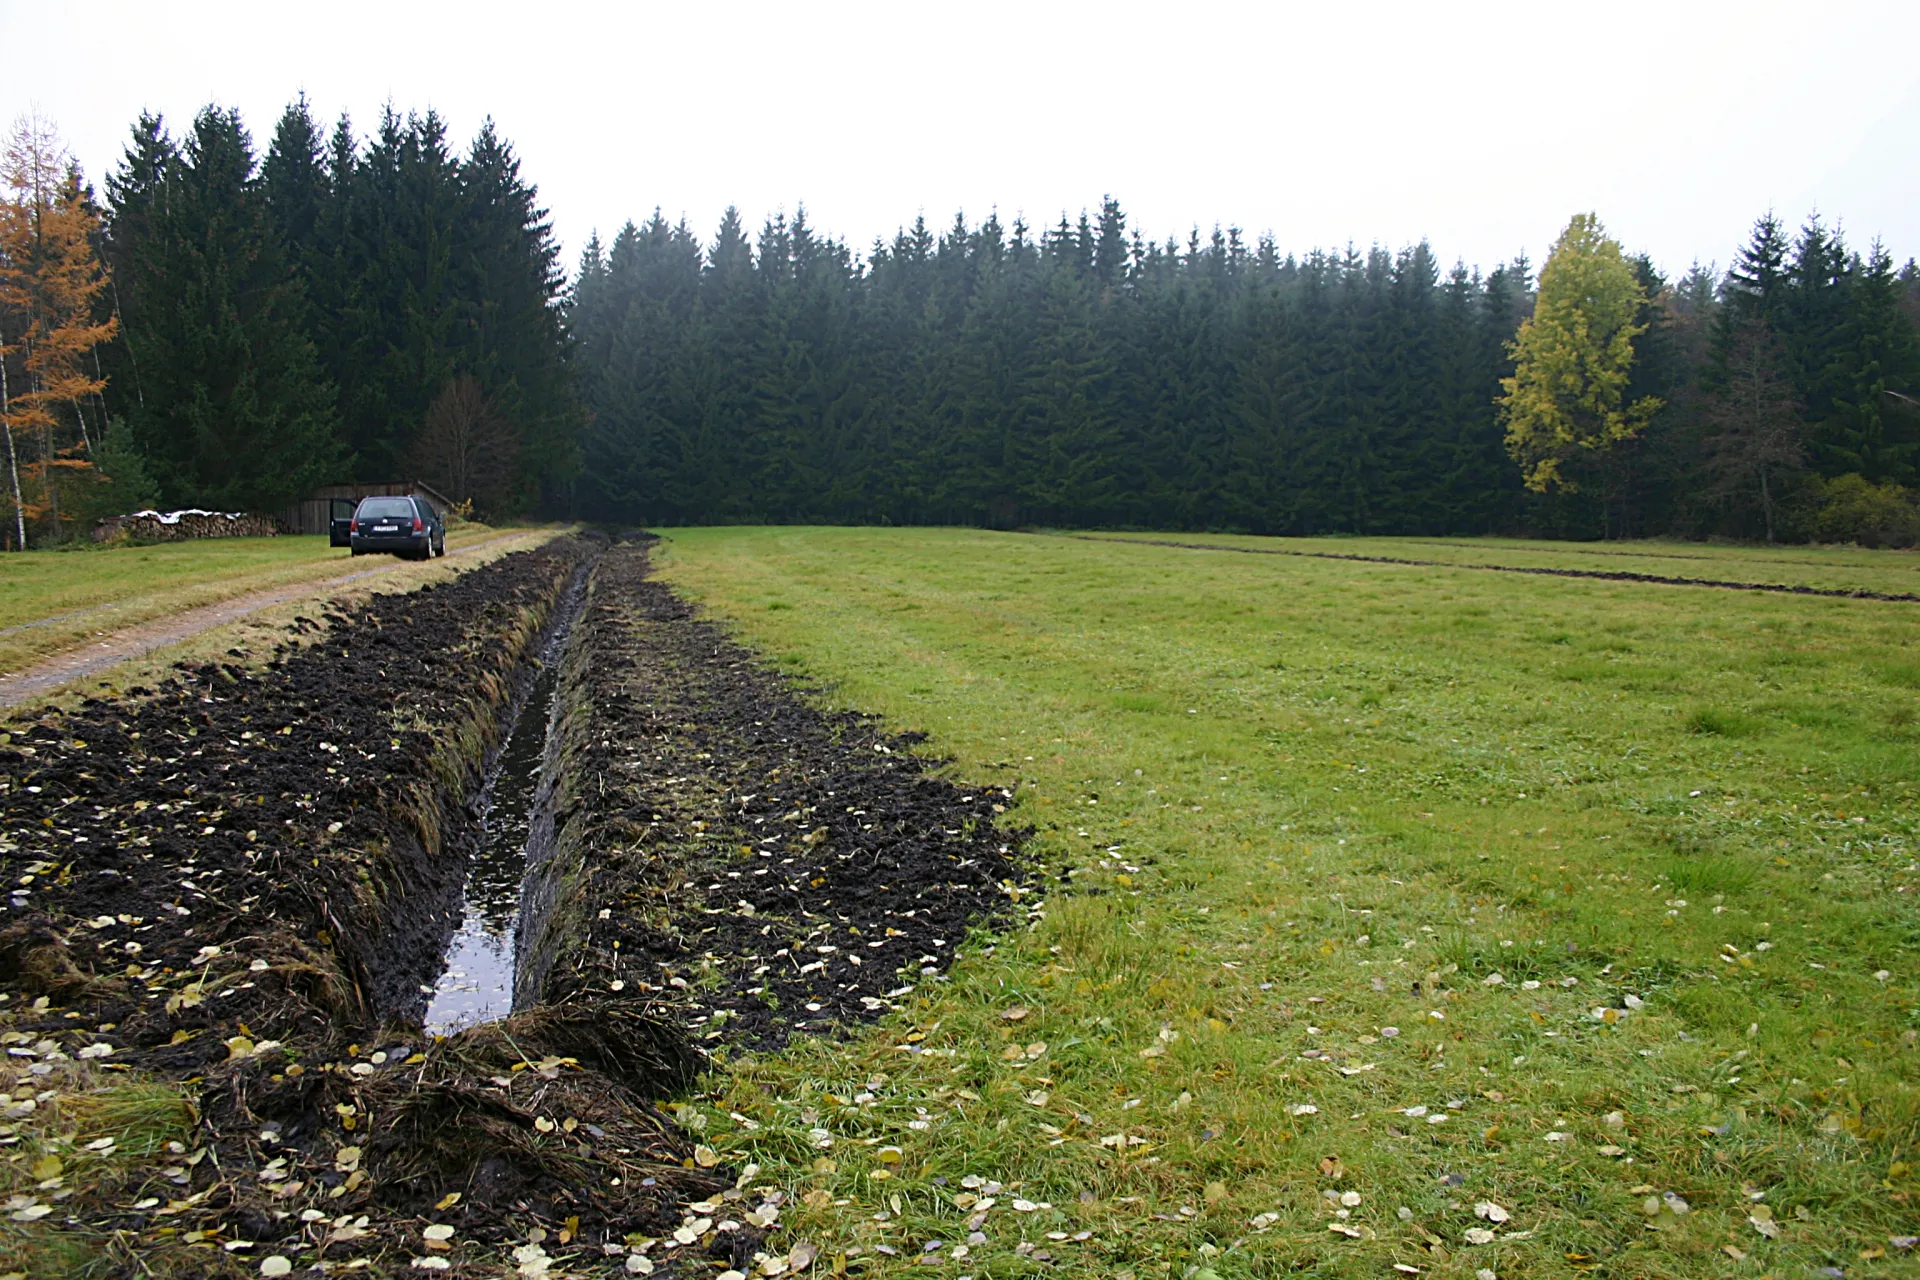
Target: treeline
pixel 242 328
pixel 1080 376
pixel 295 320
pixel 1085 376
pixel 229 329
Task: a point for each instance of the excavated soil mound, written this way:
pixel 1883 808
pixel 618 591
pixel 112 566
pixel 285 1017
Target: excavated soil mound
pixel 246 880
pixel 760 866
pixel 278 846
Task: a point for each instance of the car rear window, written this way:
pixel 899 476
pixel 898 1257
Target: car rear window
pixel 386 509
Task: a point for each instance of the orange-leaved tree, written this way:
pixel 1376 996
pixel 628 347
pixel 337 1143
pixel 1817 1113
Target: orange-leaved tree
pixel 50 284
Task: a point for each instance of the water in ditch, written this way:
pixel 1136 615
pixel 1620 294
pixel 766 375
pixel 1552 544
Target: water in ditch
pixel 477 985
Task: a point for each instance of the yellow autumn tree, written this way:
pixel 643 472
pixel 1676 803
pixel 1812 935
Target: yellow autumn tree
pixel 1566 400
pixel 50 284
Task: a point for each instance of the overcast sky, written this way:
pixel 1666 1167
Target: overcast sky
pixel 1478 126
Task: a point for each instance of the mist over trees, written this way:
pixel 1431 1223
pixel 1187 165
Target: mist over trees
pixel 1082 375
pixel 230 328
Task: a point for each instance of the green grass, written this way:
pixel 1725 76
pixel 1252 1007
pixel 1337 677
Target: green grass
pixel 85 1131
pixel 1843 568
pixel 54 600
pixel 1304 801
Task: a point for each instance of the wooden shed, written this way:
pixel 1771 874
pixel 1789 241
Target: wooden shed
pixel 311 514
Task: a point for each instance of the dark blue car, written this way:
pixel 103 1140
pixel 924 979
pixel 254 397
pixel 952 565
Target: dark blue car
pixel 406 527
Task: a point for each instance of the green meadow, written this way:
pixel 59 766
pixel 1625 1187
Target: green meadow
pixel 1380 916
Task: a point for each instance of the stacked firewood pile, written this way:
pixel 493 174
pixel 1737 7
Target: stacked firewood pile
pixel 177 526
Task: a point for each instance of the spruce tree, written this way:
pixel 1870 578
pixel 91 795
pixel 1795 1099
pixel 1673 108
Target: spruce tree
pixel 233 411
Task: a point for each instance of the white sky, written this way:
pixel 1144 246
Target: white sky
pixel 1480 126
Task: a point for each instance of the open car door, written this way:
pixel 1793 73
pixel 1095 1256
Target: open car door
pixel 340 521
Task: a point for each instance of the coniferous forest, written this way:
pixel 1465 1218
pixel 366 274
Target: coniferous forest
pixel 1083 375
pixel 230 326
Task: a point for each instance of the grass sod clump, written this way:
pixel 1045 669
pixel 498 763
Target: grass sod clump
pixel 1372 938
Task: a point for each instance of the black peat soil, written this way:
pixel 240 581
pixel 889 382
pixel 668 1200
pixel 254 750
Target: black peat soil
pixel 243 879
pixel 760 868
pixel 291 814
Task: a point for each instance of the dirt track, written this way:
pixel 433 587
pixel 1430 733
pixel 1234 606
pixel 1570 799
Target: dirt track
pixel 131 642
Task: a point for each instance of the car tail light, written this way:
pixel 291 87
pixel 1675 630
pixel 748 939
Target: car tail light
pixel 353 526
pixel 417 525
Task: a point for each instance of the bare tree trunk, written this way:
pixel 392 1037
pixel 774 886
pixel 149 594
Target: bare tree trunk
pixel 13 462
pixel 98 399
pixel 86 441
pixel 46 468
pixel 133 360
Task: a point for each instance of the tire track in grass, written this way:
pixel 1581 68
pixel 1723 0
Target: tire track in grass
pixel 1603 575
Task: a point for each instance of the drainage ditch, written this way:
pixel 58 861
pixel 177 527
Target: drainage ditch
pixel 477 984
pixel 247 879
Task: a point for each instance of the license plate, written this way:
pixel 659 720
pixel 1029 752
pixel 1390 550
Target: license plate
pixel 386 528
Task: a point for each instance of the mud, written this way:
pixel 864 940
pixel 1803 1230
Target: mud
pixel 515 808
pixel 1602 575
pixel 758 866
pixel 246 880
pixel 309 814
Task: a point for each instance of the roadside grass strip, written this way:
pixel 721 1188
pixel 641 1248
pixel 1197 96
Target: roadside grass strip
pixel 1430 922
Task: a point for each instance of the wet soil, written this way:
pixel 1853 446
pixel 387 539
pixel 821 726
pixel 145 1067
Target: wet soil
pixel 757 866
pixel 247 878
pixel 515 814
pixel 308 812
